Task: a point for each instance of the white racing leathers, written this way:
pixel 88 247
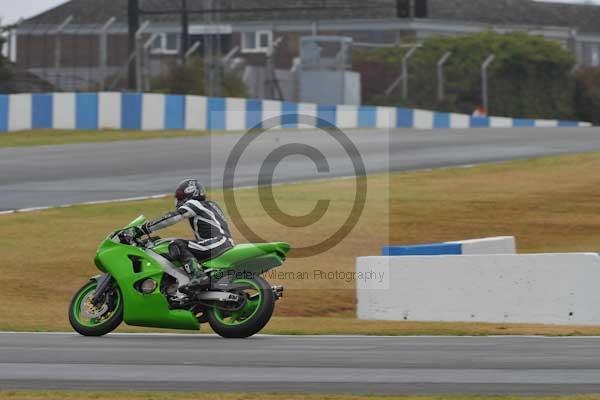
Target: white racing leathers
pixel 209 225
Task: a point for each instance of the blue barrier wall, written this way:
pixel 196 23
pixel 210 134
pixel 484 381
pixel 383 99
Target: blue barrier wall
pixel 158 111
pixel 435 249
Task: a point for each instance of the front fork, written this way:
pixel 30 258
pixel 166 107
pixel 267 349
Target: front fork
pixel 104 283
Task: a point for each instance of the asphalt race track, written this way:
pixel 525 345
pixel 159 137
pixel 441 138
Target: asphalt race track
pixel 57 175
pixel 404 365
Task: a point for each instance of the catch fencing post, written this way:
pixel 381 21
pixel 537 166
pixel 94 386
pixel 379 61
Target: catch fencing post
pixel 400 78
pixel 440 74
pixel 405 59
pixel 146 63
pixel 104 51
pixel 229 56
pixel 138 55
pixel 190 52
pixel 58 48
pixel 484 81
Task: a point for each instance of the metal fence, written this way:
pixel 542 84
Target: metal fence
pixel 72 56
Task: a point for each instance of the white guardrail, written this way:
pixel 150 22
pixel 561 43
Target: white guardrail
pixel 148 111
pixel 511 288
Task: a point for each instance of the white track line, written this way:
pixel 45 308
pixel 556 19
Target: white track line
pixel 324 336
pixel 245 187
pixel 87 203
pixel 160 196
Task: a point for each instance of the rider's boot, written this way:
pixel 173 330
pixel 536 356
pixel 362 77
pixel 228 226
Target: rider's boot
pixel 199 279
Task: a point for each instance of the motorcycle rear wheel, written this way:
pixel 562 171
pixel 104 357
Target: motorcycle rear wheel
pixel 251 318
pixel 88 320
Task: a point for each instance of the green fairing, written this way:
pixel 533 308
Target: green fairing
pixel 162 249
pixel 152 310
pixel 255 258
pixel 137 222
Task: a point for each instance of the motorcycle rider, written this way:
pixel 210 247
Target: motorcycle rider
pixel 210 229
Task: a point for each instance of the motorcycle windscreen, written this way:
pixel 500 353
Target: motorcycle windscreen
pixel 136 222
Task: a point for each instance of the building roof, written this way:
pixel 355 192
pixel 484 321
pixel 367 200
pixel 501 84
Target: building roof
pixel 585 18
pixel 99 11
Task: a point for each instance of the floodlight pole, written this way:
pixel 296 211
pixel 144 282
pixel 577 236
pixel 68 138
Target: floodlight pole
pixel 185 31
pixel 133 22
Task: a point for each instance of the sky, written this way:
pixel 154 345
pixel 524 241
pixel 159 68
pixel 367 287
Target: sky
pixel 11 10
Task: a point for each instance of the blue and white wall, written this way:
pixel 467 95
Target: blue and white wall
pixel 481 280
pixel 492 245
pixel 137 111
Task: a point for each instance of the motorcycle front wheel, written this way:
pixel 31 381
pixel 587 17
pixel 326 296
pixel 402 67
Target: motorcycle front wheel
pixel 90 320
pixel 248 319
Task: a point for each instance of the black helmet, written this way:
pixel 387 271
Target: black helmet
pixel 189 189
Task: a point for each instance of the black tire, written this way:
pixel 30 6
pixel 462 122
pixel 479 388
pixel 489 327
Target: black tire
pixel 106 326
pixel 252 325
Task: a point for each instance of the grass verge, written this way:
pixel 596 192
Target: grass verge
pixel 550 204
pixel 60 395
pixel 52 137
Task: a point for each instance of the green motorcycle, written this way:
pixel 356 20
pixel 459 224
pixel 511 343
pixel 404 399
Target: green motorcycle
pixel 140 286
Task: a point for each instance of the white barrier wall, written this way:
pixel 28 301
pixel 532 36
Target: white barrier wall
pixel 492 245
pixel 150 111
pixel 532 288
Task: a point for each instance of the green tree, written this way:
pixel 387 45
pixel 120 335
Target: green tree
pixel 189 79
pixel 587 94
pixel 530 77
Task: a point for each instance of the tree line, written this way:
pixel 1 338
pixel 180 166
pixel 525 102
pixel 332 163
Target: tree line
pixel 530 77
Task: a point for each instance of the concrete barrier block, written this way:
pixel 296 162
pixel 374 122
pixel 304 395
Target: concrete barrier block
pixel 109 110
pixel 423 119
pixel 4 101
pixel 493 245
pixel 195 113
pixel 531 288
pixel 272 111
pixel 86 110
pixel 307 111
pixel 386 117
pixel 501 122
pixel 235 119
pixel 64 111
pixel 174 112
pixel 347 116
pixel 459 121
pixel 153 112
pixel 19 112
pixel 546 123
